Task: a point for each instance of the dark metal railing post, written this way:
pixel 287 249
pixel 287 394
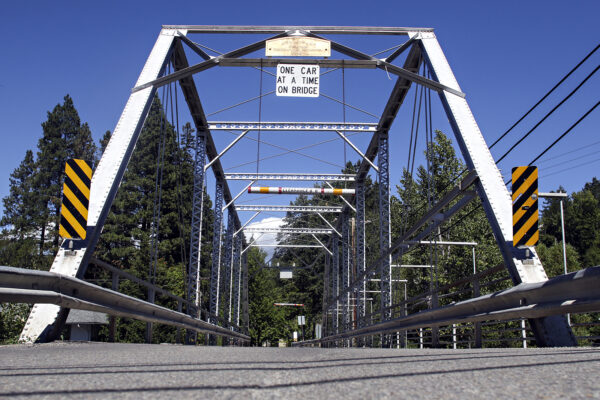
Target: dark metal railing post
pixel 112 321
pixel 476 293
pixel 151 293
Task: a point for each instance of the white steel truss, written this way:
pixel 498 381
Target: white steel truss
pixel 292 126
pixel 523 265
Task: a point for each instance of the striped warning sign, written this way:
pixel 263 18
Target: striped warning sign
pixel 525 206
pixel 75 199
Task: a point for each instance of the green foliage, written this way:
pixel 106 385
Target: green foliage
pixel 64 137
pixel 12 320
pixel 415 196
pixel 267 322
pixel 552 259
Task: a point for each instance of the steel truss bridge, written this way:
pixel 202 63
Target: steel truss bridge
pixel 346 273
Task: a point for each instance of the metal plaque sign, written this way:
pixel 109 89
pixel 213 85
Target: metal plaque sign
pixel 299 46
pixel 297 80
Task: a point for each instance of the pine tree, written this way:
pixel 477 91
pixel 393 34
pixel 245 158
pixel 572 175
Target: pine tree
pixel 63 137
pixel 18 239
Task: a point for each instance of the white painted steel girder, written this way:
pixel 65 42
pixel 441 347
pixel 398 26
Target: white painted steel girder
pixel 289 177
pixel 523 266
pixel 293 190
pixel 105 182
pixel 292 126
pixel 311 209
pixel 477 155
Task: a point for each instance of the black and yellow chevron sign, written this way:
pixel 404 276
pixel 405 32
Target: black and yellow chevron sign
pixel 525 206
pixel 75 200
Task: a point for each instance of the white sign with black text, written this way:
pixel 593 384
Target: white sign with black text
pixel 297 80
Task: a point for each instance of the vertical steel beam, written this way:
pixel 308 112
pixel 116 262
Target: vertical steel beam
pixel 193 284
pixel 385 269
pixel 326 295
pixel 336 283
pixel 345 271
pixel 360 250
pixel 226 263
pixel 194 294
pixel 237 270
pixel 46 320
pixel 215 273
pixel 245 317
pixel 523 264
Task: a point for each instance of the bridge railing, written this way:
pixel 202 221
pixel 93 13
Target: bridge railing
pixel 31 286
pixel 576 292
pixel 117 274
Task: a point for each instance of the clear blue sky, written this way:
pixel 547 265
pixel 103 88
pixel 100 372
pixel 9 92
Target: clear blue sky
pixel 505 55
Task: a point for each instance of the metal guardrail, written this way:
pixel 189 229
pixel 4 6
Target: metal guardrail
pixel 576 292
pixel 30 286
pixel 154 289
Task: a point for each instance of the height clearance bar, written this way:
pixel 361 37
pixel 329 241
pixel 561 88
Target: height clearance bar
pixel 525 206
pixel 293 190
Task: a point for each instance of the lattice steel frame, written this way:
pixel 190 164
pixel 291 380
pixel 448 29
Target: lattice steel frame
pixel 215 272
pixel 193 285
pixel 237 275
pixel 226 265
pixel 523 265
pixel 335 284
pixel 359 293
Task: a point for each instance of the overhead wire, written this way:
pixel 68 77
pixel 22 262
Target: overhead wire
pixel 585 147
pixel 548 114
pixel 545 96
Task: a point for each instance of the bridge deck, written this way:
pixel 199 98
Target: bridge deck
pixel 100 370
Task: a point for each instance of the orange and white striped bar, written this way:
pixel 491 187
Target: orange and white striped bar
pixel 294 190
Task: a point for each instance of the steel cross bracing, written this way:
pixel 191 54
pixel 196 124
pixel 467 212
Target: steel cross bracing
pixel 303 209
pixel 292 126
pixel 289 177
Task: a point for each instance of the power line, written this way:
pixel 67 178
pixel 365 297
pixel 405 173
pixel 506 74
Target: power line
pixel 566 132
pixel 546 95
pixel 562 163
pixel 549 113
pixel 573 167
pixel 586 147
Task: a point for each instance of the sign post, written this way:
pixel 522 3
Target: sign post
pixel 302 322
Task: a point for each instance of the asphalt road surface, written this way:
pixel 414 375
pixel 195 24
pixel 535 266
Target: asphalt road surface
pixel 137 371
